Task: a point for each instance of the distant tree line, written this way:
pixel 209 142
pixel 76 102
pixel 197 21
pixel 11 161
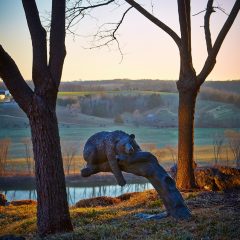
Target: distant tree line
pixel 211 87
pixel 110 106
pixel 211 94
pixel 142 85
pixel 119 85
pixel 227 86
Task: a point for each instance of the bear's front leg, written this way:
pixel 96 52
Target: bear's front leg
pixel 113 162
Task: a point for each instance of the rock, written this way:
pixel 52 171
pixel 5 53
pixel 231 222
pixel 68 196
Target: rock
pixel 226 181
pixel 3 199
pixel 220 178
pixel 205 178
pixel 229 170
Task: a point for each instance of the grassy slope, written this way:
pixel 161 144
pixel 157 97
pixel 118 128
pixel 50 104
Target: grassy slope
pixel 215 216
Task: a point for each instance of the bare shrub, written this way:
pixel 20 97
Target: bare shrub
pixel 148 146
pixel 218 141
pixel 4 147
pixel 173 152
pixel 69 150
pixel 28 152
pixel 234 144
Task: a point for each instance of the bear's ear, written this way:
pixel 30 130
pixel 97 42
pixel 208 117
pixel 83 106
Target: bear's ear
pixel 132 136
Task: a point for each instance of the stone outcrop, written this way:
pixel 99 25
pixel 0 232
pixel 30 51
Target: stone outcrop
pixel 217 178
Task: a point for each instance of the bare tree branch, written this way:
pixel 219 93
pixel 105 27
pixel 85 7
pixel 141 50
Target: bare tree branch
pixel 185 27
pixel 38 36
pixel 14 81
pixel 156 21
pixel 110 33
pixel 57 40
pixel 207 16
pixel 195 14
pixel 221 9
pixel 211 59
pixel 76 11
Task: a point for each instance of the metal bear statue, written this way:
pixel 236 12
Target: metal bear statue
pixel 103 147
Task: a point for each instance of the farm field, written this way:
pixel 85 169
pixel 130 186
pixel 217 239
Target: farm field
pixel 76 127
pixel 77 134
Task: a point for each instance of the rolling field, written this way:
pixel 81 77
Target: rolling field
pixel 75 127
pixel 78 134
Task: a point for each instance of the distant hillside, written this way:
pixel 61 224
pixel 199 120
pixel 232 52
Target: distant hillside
pixel 227 86
pixel 155 109
pixel 219 91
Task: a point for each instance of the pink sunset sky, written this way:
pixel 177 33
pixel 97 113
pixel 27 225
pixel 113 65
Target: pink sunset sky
pixel 148 52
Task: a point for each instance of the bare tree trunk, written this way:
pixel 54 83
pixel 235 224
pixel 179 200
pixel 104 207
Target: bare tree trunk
pixel 53 214
pixel 186 109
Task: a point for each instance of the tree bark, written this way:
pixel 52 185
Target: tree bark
pixel 52 213
pixel 186 110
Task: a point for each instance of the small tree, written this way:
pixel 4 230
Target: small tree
pixel 218 141
pixel 234 144
pixel 4 147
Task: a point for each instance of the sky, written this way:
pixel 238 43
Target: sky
pixel 148 52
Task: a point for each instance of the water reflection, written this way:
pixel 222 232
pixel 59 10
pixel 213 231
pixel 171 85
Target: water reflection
pixel 77 193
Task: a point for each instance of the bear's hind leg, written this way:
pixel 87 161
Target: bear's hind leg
pixel 89 156
pixel 87 171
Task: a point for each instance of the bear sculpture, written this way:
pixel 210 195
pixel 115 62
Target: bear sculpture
pixel 102 149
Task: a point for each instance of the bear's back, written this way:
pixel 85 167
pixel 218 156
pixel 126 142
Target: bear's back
pixel 105 136
pixel 101 141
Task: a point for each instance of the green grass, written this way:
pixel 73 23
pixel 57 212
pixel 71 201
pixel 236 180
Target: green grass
pixel 213 218
pixel 161 137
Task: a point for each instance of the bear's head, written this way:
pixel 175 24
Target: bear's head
pixel 126 145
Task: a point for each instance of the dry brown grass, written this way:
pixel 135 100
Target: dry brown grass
pixel 203 156
pixel 215 216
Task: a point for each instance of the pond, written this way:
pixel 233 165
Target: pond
pixel 77 193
